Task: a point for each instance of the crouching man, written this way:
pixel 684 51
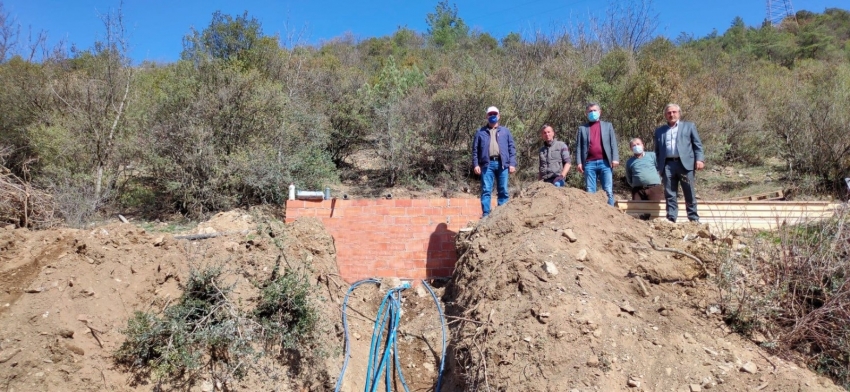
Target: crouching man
pixel 554 158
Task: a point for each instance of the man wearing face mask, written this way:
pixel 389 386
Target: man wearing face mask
pixel 554 158
pixel 493 158
pixel 679 153
pixel 641 174
pixel 596 152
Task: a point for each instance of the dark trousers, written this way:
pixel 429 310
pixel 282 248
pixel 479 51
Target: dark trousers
pixel 651 192
pixel 673 175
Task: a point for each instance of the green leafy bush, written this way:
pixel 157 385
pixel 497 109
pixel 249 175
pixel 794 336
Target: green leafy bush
pixel 285 311
pixel 204 330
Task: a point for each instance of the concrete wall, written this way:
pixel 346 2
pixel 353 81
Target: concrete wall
pixel 412 238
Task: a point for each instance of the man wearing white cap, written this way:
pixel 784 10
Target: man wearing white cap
pixel 493 157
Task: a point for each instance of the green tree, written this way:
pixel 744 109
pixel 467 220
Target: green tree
pixel 445 27
pixel 226 38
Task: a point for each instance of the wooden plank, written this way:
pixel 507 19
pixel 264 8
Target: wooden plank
pixel 759 214
pixel 772 195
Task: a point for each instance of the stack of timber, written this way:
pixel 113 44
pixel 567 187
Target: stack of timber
pixel 772 195
pixel 727 215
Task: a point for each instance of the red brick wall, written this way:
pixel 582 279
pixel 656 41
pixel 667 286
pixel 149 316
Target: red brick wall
pixel 391 238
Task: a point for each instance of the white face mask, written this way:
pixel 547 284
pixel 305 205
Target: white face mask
pixel 637 150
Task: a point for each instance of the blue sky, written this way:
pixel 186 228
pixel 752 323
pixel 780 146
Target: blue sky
pixel 156 27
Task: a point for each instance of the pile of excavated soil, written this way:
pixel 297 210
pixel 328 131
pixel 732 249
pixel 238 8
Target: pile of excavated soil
pixel 609 311
pixel 66 295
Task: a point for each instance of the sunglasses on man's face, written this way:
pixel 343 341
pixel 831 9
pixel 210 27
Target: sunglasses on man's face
pixel 493 114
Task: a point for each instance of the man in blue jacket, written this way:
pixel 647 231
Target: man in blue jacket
pixel 678 152
pixel 596 152
pixel 493 157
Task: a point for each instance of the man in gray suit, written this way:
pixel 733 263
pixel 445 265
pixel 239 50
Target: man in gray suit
pixel 678 152
pixel 596 152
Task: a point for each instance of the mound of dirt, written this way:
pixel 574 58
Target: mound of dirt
pixel 557 291
pixel 66 295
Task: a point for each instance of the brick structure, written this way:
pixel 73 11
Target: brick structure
pixel 412 238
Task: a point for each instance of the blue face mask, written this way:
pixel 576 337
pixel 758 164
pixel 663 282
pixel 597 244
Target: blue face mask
pixel 637 150
pixel 593 116
pixel 493 119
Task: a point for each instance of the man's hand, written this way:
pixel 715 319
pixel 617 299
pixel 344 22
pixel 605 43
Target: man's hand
pixel 477 170
pixel 615 164
pixel 700 165
pixel 511 169
pixel 579 168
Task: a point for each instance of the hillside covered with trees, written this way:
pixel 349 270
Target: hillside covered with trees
pixel 243 113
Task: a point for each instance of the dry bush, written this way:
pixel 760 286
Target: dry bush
pixel 24 205
pixel 793 286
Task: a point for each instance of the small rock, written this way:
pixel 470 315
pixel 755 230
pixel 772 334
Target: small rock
pixel 695 388
pixel 570 235
pixel 749 367
pixel 231 246
pixel 704 233
pixel 550 268
pixel 597 333
pixel 157 242
pixel 7 355
pixel 66 333
pixel 632 383
pixel 582 255
pixel 543 317
pixel 88 292
pixel 626 307
pixel 527 339
pixel 35 290
pixel 758 337
pixel 428 366
pixel 206 386
pixel 710 351
pixel 593 362
pixel 356 335
pixel 75 349
pixel 390 283
pixel 420 291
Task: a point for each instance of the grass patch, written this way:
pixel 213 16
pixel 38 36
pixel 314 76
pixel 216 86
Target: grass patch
pixel 794 288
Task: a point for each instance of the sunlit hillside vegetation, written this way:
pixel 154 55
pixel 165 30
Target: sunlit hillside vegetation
pixel 243 113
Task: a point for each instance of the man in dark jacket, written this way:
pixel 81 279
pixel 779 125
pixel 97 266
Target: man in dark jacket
pixel 554 158
pixel 493 158
pixel 596 152
pixel 678 153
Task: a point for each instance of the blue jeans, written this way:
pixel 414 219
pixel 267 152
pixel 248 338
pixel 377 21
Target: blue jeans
pixel 490 173
pixel 600 170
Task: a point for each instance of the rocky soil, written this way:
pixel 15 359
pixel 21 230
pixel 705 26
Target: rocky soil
pixel 555 291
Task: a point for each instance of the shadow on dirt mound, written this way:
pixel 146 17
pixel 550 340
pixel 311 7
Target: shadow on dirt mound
pixel 557 291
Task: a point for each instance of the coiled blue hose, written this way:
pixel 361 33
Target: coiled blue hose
pixel 381 361
pixel 389 317
pixel 443 326
pixel 345 327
